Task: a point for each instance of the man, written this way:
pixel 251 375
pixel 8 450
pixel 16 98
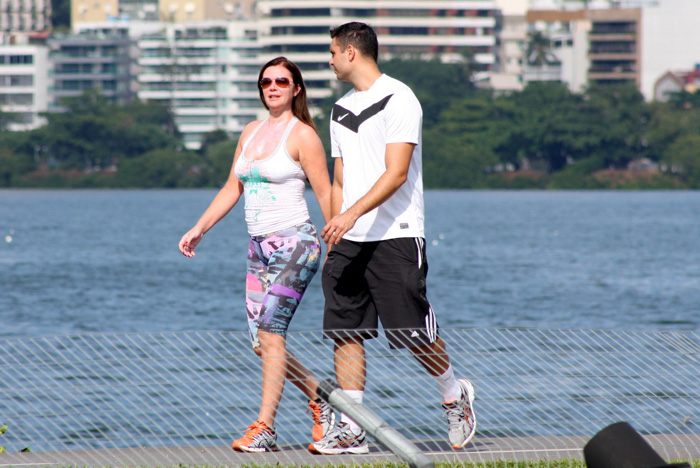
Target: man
pixel 376 266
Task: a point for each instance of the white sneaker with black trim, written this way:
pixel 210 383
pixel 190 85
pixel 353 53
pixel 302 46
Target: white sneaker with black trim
pixel 340 440
pixel 460 416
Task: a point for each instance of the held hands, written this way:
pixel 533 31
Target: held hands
pixel 337 227
pixel 189 241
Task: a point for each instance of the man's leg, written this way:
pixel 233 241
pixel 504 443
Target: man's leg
pixel 433 357
pixel 350 371
pixel 457 394
pixel 397 280
pixel 349 359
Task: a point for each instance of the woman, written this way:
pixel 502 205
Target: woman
pixel 273 159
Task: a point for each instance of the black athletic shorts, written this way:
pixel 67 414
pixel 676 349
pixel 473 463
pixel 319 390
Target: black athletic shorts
pixel 368 282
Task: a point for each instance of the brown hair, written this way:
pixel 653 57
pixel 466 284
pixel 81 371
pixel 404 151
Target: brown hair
pixel 300 107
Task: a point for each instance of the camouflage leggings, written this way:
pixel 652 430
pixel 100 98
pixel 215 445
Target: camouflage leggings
pixel 279 268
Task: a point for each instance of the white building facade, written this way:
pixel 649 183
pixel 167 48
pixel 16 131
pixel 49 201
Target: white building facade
pixel 670 39
pixel 299 30
pixel 24 85
pixel 24 16
pixel 91 60
pixel 206 72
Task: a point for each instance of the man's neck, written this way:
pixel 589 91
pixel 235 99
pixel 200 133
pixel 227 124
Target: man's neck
pixel 364 79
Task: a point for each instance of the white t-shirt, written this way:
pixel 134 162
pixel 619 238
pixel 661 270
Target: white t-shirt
pixel 362 124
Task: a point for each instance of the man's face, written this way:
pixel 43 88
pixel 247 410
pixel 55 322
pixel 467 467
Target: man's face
pixel 339 60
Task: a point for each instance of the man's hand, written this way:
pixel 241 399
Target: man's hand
pixel 338 226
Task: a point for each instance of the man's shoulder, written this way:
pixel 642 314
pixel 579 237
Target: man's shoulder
pixel 395 85
pixel 345 97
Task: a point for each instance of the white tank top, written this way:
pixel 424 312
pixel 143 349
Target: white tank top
pixel 273 188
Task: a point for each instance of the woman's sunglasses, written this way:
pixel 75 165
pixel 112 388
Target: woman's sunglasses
pixel 282 82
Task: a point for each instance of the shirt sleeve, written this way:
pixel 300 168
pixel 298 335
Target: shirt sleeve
pixel 335 146
pixel 404 118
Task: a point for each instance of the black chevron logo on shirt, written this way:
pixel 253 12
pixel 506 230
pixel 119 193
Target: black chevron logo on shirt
pixel 351 121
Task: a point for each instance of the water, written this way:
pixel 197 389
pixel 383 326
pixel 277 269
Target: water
pixel 107 261
pixel 623 265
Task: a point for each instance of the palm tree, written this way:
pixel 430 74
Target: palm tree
pixel 539 51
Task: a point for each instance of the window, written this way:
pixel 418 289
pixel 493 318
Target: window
pixel 16 59
pixel 16 80
pixel 16 99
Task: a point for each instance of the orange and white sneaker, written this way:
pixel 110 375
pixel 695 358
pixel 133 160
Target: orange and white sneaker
pixel 258 438
pixel 324 418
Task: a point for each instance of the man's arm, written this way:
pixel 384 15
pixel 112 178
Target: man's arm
pixel 397 159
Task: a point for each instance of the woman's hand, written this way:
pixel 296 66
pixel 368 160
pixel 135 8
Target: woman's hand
pixel 189 241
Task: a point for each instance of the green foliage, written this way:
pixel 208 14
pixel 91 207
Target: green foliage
pixel 542 137
pixel 683 156
pixel 435 84
pixel 95 133
pixel 165 168
pixel 212 138
pixel 60 15
pixel 12 166
pixel 219 157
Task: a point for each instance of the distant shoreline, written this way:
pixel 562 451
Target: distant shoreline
pixel 608 179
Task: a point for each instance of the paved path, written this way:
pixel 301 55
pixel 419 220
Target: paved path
pixel 670 447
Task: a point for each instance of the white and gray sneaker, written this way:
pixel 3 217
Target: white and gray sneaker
pixel 340 440
pixel 460 416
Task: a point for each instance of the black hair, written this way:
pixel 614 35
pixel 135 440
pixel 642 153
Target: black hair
pixel 359 35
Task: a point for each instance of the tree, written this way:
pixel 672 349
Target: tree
pixel 683 157
pixel 95 133
pixel 219 157
pixel 163 168
pixel 458 151
pixel 618 117
pixel 12 166
pixel 212 138
pixel 539 49
pixel 547 127
pixel 435 84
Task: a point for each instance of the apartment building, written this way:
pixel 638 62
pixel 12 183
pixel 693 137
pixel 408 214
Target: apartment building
pixel 511 37
pixel 565 56
pixel 24 16
pixel 615 51
pixel 171 11
pixel 590 46
pixel 450 30
pixel 91 60
pixel 206 72
pixel 23 84
pixel 179 11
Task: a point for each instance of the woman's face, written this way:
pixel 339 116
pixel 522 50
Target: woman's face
pixel 279 88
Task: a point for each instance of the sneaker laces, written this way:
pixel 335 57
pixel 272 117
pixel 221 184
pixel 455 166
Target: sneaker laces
pixel 318 411
pixel 257 428
pixel 454 412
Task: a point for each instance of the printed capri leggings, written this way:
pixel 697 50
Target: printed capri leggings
pixel 280 266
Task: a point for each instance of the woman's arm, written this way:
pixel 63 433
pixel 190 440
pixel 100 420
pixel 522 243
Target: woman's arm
pixel 312 159
pixel 224 201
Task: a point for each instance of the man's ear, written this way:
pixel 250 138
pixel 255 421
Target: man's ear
pixel 352 52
